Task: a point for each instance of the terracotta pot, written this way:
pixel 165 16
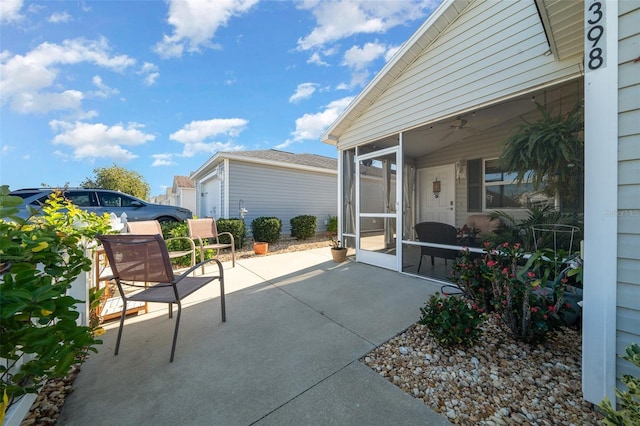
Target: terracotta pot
pixel 339 254
pixel 260 247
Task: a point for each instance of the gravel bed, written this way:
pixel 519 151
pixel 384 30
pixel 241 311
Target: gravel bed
pixel 498 381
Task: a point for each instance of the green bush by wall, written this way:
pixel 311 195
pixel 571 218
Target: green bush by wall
pixel 236 227
pixel 266 229
pixel 303 227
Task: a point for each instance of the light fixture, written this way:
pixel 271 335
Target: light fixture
pixel 436 188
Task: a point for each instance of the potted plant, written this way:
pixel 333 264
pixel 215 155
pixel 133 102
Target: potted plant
pixel 338 252
pixel 260 247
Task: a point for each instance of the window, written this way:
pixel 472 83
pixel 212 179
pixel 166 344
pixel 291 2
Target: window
pixel 474 185
pixel 502 193
pixel 81 198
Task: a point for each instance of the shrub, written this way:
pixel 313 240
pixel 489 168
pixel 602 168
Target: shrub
pixel 473 277
pixel 303 227
pixel 236 227
pixel 266 229
pixel 451 320
pixel 42 256
pixel 528 312
pixel 629 413
pixel 174 230
pixel 332 227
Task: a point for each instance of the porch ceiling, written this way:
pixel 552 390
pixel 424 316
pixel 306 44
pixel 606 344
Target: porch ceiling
pixel 509 113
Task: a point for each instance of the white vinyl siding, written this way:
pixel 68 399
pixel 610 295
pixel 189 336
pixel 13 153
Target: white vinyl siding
pixel 494 50
pixel 628 287
pixel 282 192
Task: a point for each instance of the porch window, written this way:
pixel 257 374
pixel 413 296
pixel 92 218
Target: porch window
pixel 500 191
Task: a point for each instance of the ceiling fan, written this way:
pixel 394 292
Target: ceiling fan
pixel 458 127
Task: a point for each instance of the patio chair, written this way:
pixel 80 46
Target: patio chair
pixel 137 260
pixel 206 229
pixel 438 233
pixel 152 227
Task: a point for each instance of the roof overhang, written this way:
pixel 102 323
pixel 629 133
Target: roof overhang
pixel 563 23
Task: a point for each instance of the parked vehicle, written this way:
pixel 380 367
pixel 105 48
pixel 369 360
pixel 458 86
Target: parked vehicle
pixel 102 201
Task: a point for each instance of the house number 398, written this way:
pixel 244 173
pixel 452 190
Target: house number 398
pixel 595 37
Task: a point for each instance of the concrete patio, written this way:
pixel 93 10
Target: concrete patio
pixel 297 323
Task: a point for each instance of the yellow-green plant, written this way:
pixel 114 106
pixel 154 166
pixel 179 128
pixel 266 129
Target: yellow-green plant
pixel 41 257
pixel 629 412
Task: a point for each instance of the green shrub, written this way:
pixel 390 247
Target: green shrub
pixel 451 320
pixel 236 227
pixel 266 229
pixel 303 227
pixel 332 227
pixel 175 230
pixel 629 412
pixel 43 256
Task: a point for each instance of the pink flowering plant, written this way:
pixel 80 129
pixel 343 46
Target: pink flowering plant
pixel 527 310
pixel 474 279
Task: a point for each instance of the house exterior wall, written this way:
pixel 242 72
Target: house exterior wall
pixel 186 197
pixel 492 51
pixel 281 192
pixel 628 265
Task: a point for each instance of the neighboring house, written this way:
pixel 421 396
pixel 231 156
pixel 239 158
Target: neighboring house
pixel 184 193
pixel 267 183
pixel 431 122
pixel 181 194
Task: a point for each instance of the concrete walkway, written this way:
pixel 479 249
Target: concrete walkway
pixel 297 323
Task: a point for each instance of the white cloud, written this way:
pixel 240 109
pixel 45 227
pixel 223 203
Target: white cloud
pixel 162 160
pixel 311 126
pixel 195 23
pixel 340 19
pixel 43 102
pixel 59 17
pixel 25 78
pixel 197 136
pixel 96 140
pixel 315 58
pixel 390 52
pixel 303 91
pixel 150 73
pixel 103 91
pixel 10 10
pixel 358 58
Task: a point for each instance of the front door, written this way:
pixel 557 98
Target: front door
pixel 377 189
pixel 436 194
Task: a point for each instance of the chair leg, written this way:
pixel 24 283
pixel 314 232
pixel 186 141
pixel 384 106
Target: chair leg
pixel 222 303
pixel 420 263
pixel 175 333
pixel 122 317
pixel 432 262
pixel 202 258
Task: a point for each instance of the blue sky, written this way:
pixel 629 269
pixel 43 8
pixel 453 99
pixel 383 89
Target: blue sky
pixel 160 86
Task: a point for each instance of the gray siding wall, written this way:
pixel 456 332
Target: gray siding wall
pixel 628 293
pixel 281 192
pixel 494 50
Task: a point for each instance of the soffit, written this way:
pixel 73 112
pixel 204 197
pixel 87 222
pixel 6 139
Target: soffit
pixel 563 23
pixel 439 20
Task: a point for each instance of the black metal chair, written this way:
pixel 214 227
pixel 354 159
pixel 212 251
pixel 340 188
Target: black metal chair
pixel 142 262
pixel 437 233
